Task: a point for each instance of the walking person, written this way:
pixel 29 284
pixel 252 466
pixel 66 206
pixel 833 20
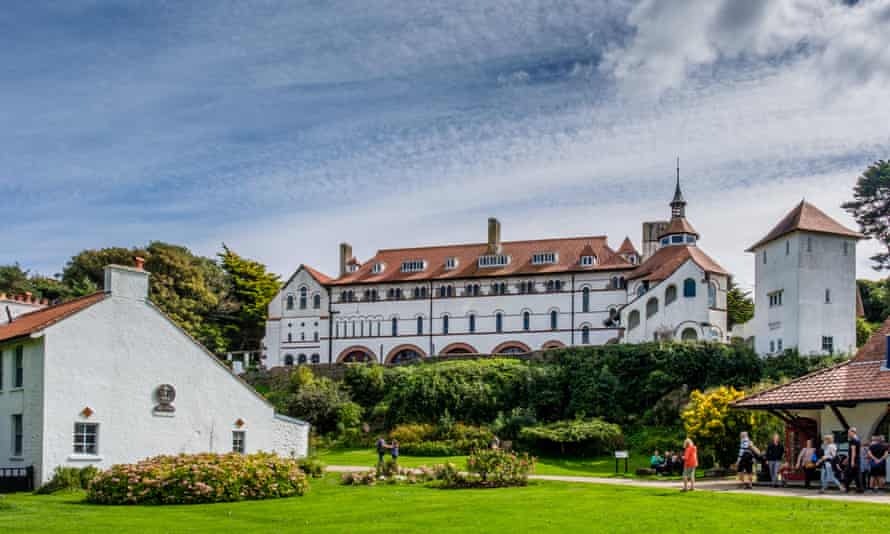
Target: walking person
pixel 877 455
pixel 690 462
pixel 745 461
pixel 775 451
pixel 829 456
pixel 381 449
pixel 854 462
pixel 806 462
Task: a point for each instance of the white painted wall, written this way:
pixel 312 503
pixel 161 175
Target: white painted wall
pixel 16 308
pixel 803 265
pixel 27 400
pixel 684 312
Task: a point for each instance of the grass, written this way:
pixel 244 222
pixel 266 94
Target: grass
pixel 540 507
pixel 603 466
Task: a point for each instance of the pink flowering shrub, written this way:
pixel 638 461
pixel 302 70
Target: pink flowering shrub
pixel 199 478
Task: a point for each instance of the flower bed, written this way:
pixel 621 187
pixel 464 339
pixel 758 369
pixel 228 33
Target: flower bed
pixel 199 478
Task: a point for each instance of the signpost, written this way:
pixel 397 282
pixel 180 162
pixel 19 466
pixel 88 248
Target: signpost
pixel 618 456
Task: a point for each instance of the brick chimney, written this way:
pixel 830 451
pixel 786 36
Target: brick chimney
pixel 345 256
pixel 127 282
pixel 494 236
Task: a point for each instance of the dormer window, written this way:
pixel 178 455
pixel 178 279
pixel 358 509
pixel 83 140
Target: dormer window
pixel 494 260
pixel 588 261
pixel 352 267
pixel 450 263
pixel 378 268
pixel 544 258
pixel 413 266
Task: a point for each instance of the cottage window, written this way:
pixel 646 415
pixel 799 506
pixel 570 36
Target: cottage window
pixel 17 435
pixel 86 438
pixel 239 438
pixel 828 344
pixel 19 378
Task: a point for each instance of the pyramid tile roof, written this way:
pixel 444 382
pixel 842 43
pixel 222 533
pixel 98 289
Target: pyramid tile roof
pixel 806 217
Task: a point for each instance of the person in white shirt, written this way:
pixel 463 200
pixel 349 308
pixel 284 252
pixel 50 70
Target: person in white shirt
pixel 829 454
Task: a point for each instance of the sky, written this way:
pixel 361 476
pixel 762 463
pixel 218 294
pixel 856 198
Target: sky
pixel 283 128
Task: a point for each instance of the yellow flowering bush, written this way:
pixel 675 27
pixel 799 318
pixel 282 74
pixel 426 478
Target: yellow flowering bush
pixel 199 478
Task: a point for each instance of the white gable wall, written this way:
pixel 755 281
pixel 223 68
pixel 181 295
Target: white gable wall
pixel 112 356
pixel 27 401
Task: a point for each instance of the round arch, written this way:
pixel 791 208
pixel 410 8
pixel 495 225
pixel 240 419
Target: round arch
pixel 553 344
pixel 357 354
pixel 400 349
pixel 511 347
pixel 459 348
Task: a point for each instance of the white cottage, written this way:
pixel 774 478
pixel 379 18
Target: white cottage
pixel 108 378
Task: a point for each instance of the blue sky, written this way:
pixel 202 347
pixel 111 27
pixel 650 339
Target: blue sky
pixel 282 128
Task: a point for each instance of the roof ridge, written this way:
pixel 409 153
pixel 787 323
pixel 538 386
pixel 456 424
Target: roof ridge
pixel 430 247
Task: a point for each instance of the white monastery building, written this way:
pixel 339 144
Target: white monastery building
pixel 805 285
pixel 108 378
pixel 501 297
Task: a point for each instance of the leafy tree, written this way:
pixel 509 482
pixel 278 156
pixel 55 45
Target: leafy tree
pixel 251 289
pixel 87 268
pixel 875 299
pixel 864 330
pixel 870 206
pixel 714 426
pixel 13 279
pixel 739 306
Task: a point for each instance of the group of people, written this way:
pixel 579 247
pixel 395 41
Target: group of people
pixel 383 446
pixel 672 462
pixel 863 466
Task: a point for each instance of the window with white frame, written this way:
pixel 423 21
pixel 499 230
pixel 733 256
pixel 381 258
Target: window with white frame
pixel 19 376
pixel 86 438
pixel 413 266
pixel 450 263
pixel 239 441
pixel 18 435
pixel 587 261
pixel 828 344
pixel 378 268
pixel 494 260
pixel 544 258
pixel 775 298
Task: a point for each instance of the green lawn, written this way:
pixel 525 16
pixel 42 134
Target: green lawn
pixel 540 507
pixel 599 467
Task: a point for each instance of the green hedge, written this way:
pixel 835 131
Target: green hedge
pixel 592 437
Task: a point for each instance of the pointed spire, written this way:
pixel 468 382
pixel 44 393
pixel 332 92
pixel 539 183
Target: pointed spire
pixel 678 204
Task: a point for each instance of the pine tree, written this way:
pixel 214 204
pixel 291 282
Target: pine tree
pixel 870 207
pixel 251 288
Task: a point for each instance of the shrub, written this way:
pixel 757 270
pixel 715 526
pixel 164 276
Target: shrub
pixel 433 448
pixel 319 402
pixel 447 439
pixel 591 437
pixel 509 426
pixel 68 478
pixel 413 433
pixel 199 478
pixel 312 467
pixel 490 468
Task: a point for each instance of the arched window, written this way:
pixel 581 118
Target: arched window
pixel 315 336
pixel 689 334
pixel 554 320
pixel 420 326
pixel 445 324
pixel 395 326
pixel 651 307
pixel 670 295
pixel 301 359
pixel 526 320
pixel 472 321
pixel 689 288
pixel 288 360
pixel 633 320
pixel 405 356
pixel 712 295
pixel 641 289
pixel 290 302
pixel 441 291
pixel 585 335
pixel 499 322
pixel 316 301
pixel 316 358
pixel 585 300
pixel 303 293
pixel 290 337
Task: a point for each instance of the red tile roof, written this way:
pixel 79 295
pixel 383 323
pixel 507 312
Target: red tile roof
pixel 806 217
pixel 318 275
pixel 35 321
pixel 568 250
pixel 859 379
pixel 627 247
pixel 668 259
pixel 678 225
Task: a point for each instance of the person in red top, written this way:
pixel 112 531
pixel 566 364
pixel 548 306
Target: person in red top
pixel 690 462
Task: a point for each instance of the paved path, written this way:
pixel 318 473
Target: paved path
pixel 723 485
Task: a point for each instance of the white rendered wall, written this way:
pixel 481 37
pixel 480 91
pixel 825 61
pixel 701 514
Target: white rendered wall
pixel 803 269
pixel 27 400
pixel 111 357
pixel 684 312
pixel 16 308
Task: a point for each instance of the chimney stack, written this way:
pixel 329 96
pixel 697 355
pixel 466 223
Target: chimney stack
pixel 345 256
pixel 494 236
pixel 140 263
